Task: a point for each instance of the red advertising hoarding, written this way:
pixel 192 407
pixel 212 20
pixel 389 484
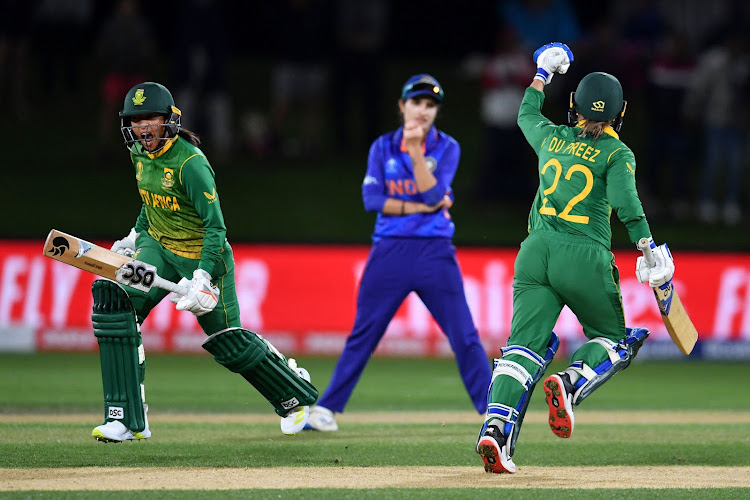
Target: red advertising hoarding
pixel 303 299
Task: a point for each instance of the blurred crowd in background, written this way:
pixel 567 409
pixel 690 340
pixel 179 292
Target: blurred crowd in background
pixel 684 66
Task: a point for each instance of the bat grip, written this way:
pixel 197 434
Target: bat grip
pixel 168 285
pixel 645 247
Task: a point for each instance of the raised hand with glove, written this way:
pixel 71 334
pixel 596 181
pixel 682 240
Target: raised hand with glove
pixel 202 295
pixel 552 58
pixel 663 269
pixel 126 246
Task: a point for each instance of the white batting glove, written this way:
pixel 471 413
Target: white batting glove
pixel 552 58
pixel 126 246
pixel 659 274
pixel 174 296
pixel 202 296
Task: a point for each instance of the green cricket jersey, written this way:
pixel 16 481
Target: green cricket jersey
pixel 580 179
pixel 180 205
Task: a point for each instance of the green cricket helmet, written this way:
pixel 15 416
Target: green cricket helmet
pixel 598 98
pixel 149 98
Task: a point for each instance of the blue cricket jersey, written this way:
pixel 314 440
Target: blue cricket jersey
pixel 390 175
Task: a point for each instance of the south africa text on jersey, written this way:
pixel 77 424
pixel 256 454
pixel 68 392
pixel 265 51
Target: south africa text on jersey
pixel 159 200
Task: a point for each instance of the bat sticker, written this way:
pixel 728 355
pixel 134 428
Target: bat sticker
pixel 665 304
pixel 84 247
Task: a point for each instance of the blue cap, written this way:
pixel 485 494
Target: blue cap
pixel 422 84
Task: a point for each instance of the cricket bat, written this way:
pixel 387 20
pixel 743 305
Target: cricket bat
pixel 675 318
pixel 105 263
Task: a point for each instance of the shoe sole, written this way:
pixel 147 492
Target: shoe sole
pixel 560 420
pixel 489 451
pixel 97 434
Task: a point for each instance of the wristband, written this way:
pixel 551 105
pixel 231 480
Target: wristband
pixel 541 74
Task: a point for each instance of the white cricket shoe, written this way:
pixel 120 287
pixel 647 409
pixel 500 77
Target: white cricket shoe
pixel 322 419
pixel 116 432
pixel 295 420
pixel 493 448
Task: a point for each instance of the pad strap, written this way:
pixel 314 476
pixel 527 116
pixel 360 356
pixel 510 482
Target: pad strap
pixel 512 369
pixel 523 351
pixel 501 411
pixel 615 350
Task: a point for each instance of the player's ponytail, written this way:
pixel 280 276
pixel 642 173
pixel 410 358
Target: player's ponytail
pixel 190 136
pixel 593 129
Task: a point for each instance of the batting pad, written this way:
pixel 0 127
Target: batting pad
pixel 119 338
pixel 248 354
pixel 619 356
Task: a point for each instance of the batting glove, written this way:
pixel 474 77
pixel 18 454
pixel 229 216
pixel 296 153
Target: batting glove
pixel 126 246
pixel 552 58
pixel 174 296
pixel 659 274
pixel 202 296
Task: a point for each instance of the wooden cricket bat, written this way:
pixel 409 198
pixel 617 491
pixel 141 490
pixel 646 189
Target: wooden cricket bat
pixel 675 318
pixel 105 263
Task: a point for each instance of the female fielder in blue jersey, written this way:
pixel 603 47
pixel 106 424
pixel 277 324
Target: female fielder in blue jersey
pixel 408 183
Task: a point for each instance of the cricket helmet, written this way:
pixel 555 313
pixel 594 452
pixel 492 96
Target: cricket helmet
pixel 422 84
pixel 149 98
pixel 599 98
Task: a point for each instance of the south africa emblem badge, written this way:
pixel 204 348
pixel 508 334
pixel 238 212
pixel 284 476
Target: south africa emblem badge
pixel 168 180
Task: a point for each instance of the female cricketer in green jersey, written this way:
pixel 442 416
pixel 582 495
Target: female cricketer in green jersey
pixel 585 173
pixel 181 231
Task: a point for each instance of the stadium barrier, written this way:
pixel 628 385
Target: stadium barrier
pixel 303 297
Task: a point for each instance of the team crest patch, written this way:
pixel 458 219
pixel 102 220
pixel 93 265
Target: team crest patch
pixel 390 166
pixel 139 98
pixel 139 171
pixel 168 180
pixel 431 163
pixel 597 106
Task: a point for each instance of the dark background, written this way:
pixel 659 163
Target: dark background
pixel 64 166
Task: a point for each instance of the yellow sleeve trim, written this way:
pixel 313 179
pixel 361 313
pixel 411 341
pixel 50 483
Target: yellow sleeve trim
pixel 184 162
pixel 610 154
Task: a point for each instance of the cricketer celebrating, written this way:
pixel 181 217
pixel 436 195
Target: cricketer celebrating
pixel 181 231
pixel 408 183
pixel 585 172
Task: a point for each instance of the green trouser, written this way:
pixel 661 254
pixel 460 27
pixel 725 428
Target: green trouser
pixel 172 267
pixel 553 270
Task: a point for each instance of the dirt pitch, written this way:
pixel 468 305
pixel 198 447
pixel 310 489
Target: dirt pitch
pixel 184 478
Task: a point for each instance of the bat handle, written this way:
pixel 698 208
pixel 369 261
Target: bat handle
pixel 645 246
pixel 168 285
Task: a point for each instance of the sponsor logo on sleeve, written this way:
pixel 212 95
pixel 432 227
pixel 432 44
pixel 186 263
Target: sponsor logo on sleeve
pixel 369 179
pixel 210 196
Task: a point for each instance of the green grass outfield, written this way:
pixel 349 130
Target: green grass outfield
pixel 409 420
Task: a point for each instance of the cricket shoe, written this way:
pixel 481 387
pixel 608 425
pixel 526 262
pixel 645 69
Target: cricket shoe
pixel 493 449
pixel 322 419
pixel 296 419
pixel 116 432
pixel 559 393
